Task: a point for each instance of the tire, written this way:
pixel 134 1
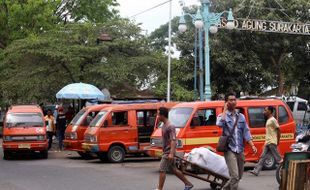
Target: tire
pixel 116 154
pixel 44 154
pixel 213 185
pixel 270 163
pixel 85 155
pixel 278 173
pixel 6 154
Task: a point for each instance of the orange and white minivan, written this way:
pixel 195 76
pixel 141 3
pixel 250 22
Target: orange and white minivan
pixel 24 130
pixel 195 124
pixel 74 134
pixel 121 129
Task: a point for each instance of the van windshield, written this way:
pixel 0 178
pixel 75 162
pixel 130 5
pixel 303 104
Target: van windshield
pixel 24 120
pixel 78 118
pixel 179 116
pixel 98 119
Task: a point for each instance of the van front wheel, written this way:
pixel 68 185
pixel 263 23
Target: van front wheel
pixel 116 154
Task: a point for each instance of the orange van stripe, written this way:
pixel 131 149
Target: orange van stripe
pixel 284 136
pixel 211 140
pixel 195 141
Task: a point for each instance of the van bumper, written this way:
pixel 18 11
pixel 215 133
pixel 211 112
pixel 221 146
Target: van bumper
pixel 87 147
pixel 20 146
pixel 73 145
pixel 154 152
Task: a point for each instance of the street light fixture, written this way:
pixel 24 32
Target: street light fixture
pixel 208 21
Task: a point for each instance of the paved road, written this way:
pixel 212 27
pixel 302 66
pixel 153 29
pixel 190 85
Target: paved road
pixel 66 171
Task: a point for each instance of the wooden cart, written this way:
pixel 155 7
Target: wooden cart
pixel 190 169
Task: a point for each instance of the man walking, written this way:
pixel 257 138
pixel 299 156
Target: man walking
pixel 61 126
pixel 169 146
pixel 234 157
pixel 271 142
pixel 50 127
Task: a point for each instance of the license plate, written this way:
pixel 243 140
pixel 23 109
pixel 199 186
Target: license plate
pixel 86 147
pixel 24 146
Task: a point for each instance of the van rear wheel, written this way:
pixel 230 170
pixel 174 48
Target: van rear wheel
pixel 116 154
pixel 270 163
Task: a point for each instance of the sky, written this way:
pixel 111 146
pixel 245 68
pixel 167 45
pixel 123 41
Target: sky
pixel 154 18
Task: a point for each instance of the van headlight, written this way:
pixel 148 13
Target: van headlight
pixel 73 135
pixel 179 143
pixel 41 137
pixel 152 142
pixel 93 138
pixel 7 138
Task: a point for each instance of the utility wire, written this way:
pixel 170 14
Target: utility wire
pixel 283 11
pixel 252 5
pixel 161 4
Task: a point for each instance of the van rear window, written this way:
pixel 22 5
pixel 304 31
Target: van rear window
pixel 24 120
pixel 283 115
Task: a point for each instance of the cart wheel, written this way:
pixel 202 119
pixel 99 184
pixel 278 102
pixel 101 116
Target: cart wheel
pixel 213 185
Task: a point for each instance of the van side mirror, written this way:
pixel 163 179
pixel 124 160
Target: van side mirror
pixel 105 124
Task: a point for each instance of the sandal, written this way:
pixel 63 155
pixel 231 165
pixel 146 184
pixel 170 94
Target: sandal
pixel 188 187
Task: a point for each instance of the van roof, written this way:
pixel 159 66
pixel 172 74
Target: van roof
pixel 98 107
pixel 140 106
pixel 239 103
pixel 25 108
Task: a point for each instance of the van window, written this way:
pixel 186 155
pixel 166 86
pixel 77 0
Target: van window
pixel 179 116
pixel 78 118
pixel 89 118
pixel 98 119
pixel 120 118
pixel 256 117
pixel 302 106
pixel 204 117
pixel 146 117
pixel 283 115
pixel 24 120
pixel 291 105
pixel 145 124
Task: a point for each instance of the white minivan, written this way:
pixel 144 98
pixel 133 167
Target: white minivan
pixel 300 109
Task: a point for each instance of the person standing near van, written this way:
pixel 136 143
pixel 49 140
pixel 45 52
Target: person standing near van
pixel 61 126
pixel 50 127
pixel 272 140
pixel 169 146
pixel 234 156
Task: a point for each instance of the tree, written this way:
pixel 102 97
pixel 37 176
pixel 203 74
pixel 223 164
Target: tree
pixel 36 67
pixel 249 61
pixel 95 11
pixel 19 19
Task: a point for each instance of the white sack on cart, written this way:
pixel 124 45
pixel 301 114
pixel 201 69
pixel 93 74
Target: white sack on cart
pixel 207 159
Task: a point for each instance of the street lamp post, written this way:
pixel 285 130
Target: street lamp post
pixel 207 21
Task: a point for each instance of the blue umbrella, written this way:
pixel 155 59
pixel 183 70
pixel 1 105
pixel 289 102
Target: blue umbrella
pixel 80 91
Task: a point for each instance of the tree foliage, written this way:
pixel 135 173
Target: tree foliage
pixel 247 61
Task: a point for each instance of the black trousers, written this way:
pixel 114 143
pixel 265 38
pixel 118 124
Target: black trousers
pixel 50 139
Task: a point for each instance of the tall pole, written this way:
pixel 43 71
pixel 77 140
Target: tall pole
pixel 206 5
pixel 195 69
pixel 169 52
pixel 200 66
